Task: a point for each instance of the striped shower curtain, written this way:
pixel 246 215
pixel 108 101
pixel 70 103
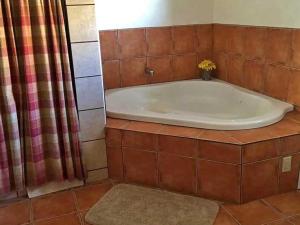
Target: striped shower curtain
pixel 39 126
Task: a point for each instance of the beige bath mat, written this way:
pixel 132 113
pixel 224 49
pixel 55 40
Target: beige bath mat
pixel 133 205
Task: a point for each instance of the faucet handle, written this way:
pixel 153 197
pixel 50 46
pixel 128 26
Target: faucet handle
pixel 149 71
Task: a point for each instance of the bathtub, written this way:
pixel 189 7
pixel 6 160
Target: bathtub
pixel 195 103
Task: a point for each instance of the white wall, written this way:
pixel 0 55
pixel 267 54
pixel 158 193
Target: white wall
pixel 273 13
pixel 118 14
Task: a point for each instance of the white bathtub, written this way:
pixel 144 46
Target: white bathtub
pixel 196 103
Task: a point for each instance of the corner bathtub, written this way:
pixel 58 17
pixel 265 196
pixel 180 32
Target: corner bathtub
pixel 195 103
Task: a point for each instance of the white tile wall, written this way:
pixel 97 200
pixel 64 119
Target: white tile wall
pixel 90 93
pixel 79 2
pixel 82 23
pixel 94 154
pixel 96 175
pixel 89 86
pixel 86 59
pixel 92 123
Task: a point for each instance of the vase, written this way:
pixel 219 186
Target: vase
pixel 206 75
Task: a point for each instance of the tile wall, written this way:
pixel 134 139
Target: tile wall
pixel 173 52
pixel 262 59
pixel 236 166
pixel 89 85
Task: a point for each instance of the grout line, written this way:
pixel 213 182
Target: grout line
pixel 101 168
pixel 88 76
pixel 83 42
pixel 98 139
pixel 85 77
pixel 75 200
pixel 55 217
pixel 84 110
pixel 273 208
pixel 31 216
pixel 235 219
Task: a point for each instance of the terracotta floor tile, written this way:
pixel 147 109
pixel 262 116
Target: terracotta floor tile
pixel 15 213
pixel 223 218
pixel 87 196
pixel 82 215
pixel 253 213
pixel 295 220
pixel 53 205
pixel 288 204
pixel 70 219
pixel 280 222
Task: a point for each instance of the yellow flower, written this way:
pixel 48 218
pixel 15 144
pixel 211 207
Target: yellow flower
pixel 207 65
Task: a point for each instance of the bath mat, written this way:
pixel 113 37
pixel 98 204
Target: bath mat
pixel 128 204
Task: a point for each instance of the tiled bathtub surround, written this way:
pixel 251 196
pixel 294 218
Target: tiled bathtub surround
pixel 263 59
pixel 237 166
pixel 173 52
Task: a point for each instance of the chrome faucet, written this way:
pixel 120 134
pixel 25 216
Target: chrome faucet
pixel 149 71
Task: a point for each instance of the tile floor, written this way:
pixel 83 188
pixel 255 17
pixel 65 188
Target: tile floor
pixel 69 207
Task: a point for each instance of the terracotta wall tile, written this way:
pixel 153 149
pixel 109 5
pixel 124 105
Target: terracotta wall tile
pixel 277 81
pixel 116 123
pixel 111 74
pixel 113 137
pixel 177 173
pixel 177 145
pixel 162 67
pixel 115 162
pixel 184 39
pixel 221 63
pixel 219 180
pixel 278 46
pixel 290 145
pixel 296 48
pixel 261 150
pixel 159 41
pixel 183 47
pixel 254 44
pixel 254 73
pixel 236 36
pixel 133 72
pixel 207 54
pixel 260 179
pixel 220 152
pixel 220 37
pixel 139 140
pixel 109 45
pixel 235 65
pixel 140 167
pixel 288 181
pixel 204 36
pixel 185 67
pixel 294 88
pixel 132 43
